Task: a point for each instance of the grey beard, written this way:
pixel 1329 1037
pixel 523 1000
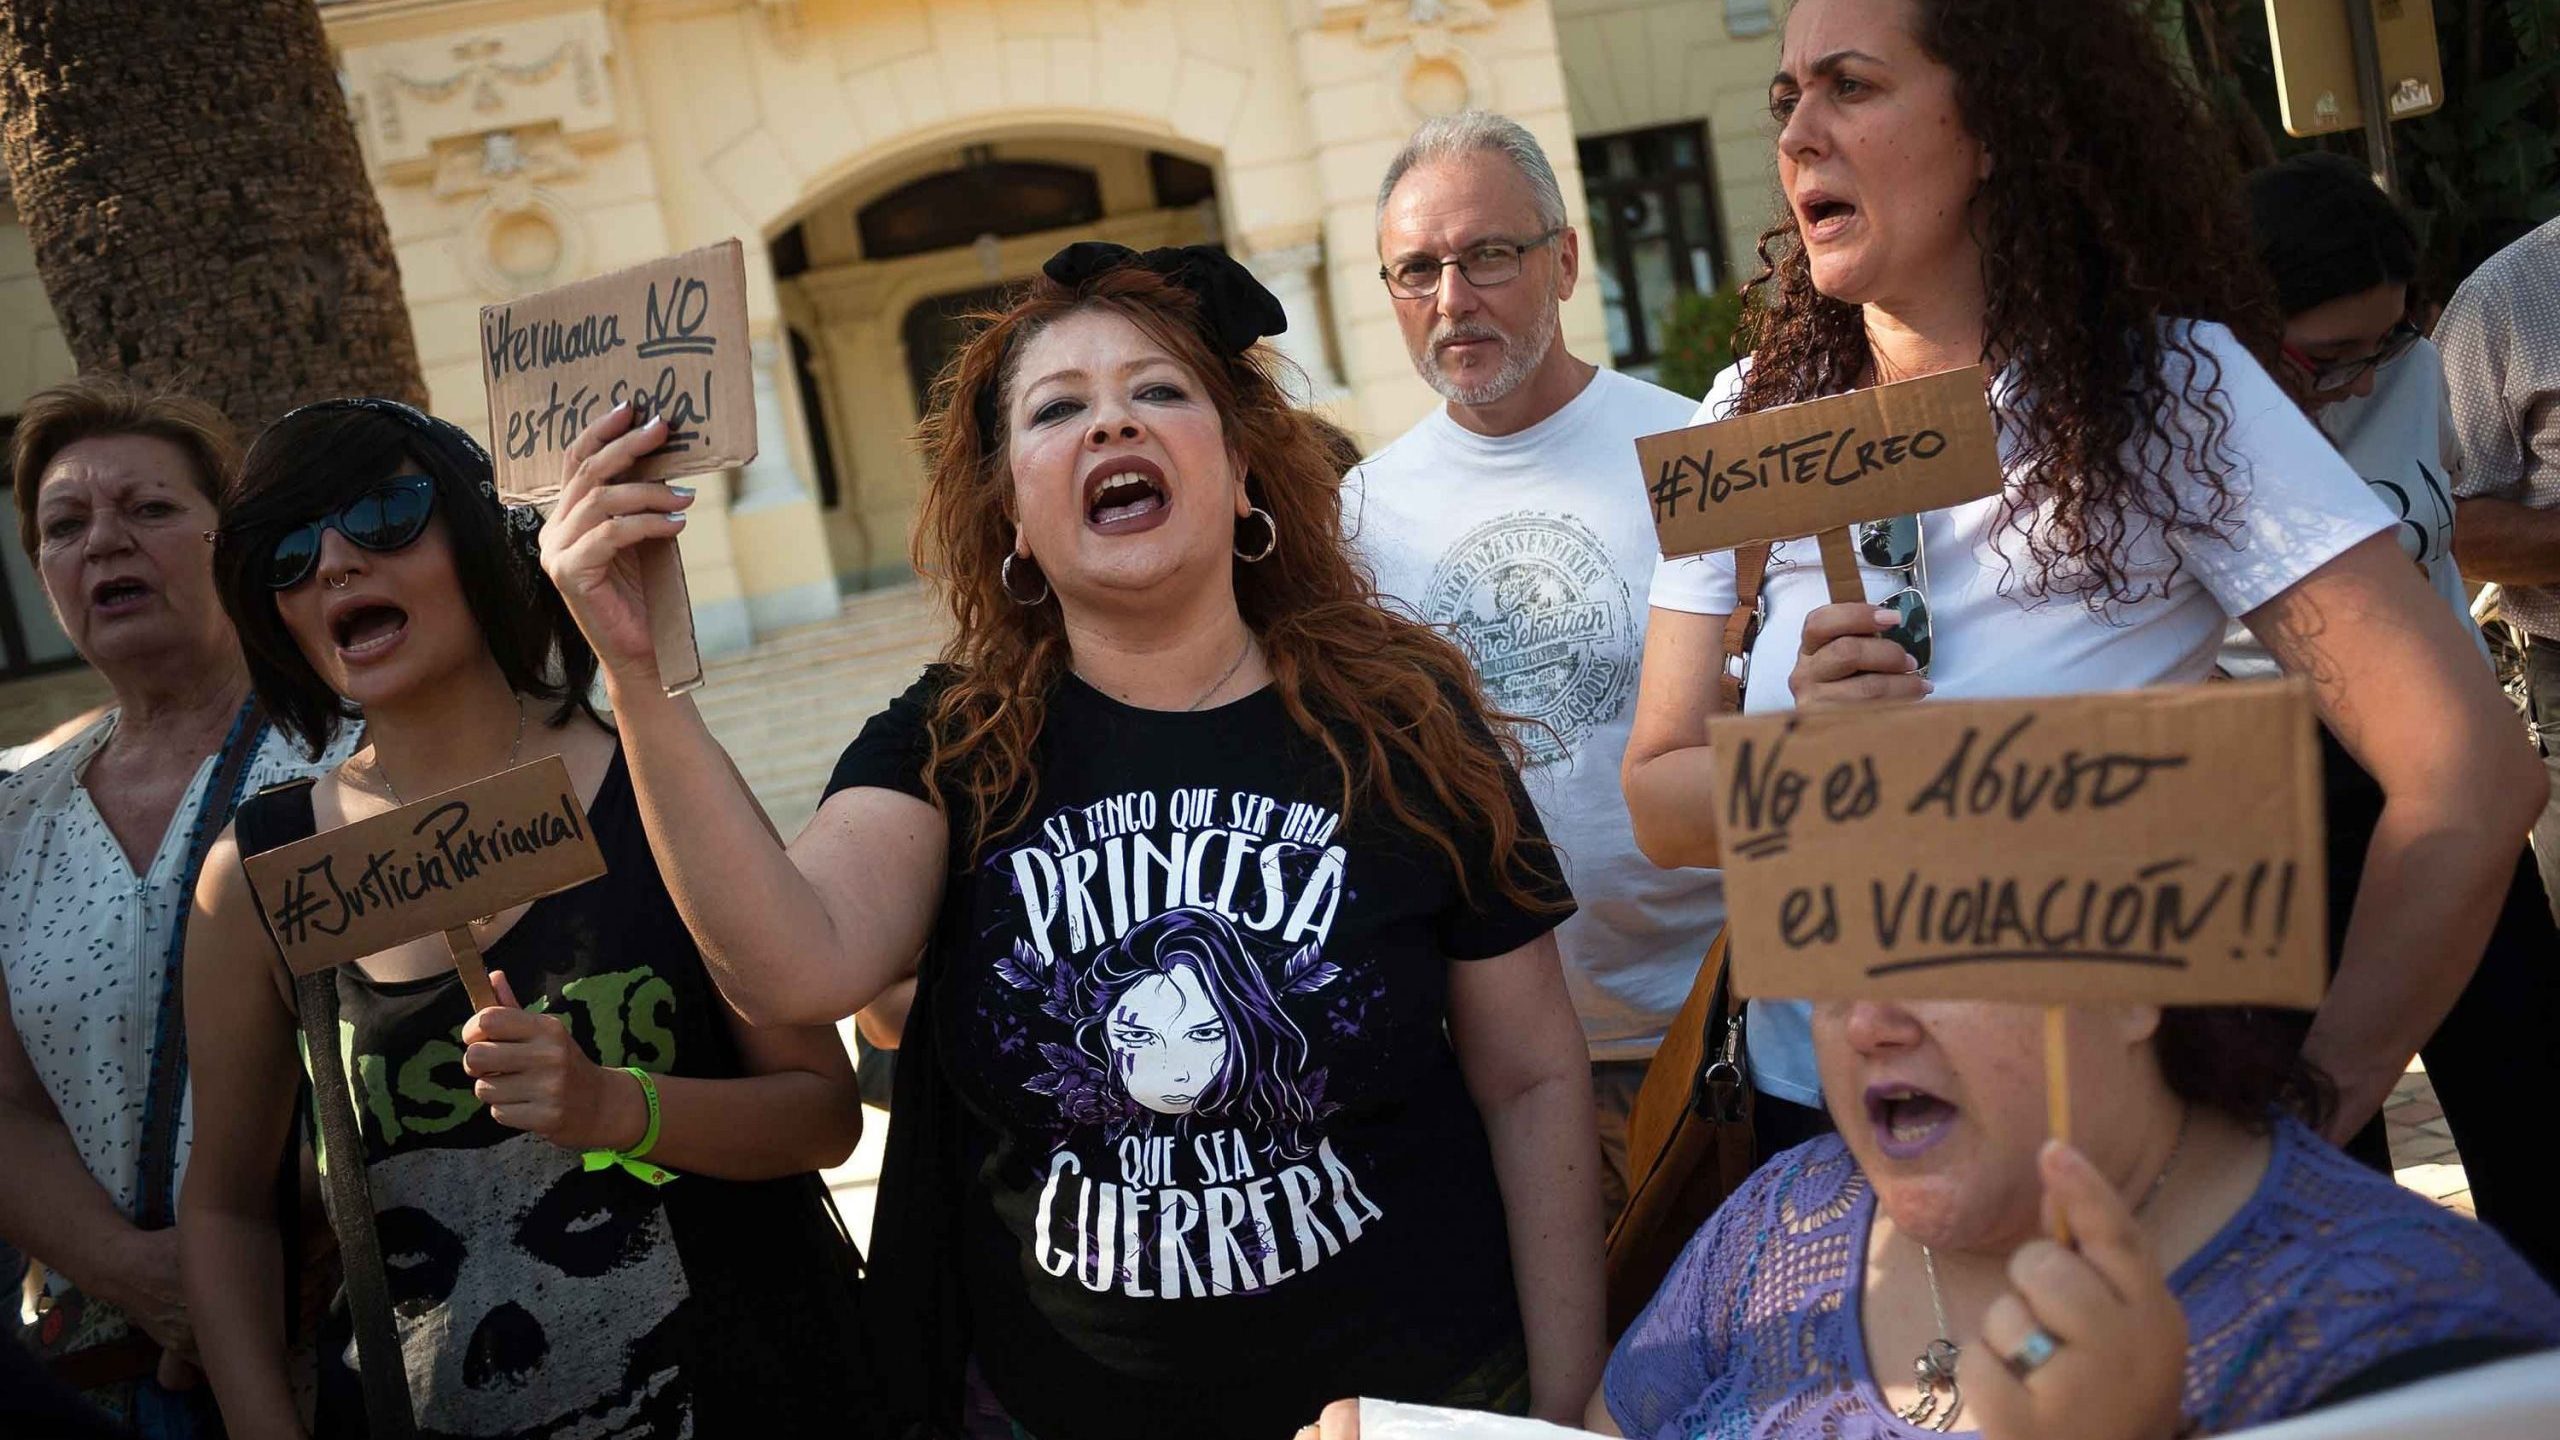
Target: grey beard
pixel 1519 358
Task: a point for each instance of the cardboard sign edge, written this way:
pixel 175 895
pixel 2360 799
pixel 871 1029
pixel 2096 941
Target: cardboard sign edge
pixel 2308 821
pixel 1644 468
pixel 276 861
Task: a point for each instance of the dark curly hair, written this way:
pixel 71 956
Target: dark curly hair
pixel 2111 209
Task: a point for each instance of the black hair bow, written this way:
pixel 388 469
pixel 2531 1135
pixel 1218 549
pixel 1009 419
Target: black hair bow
pixel 1235 309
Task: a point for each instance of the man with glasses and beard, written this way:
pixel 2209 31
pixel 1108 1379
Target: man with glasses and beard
pixel 1514 516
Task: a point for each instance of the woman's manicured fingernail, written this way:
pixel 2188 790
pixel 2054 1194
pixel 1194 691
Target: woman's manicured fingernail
pixel 1926 687
pixel 618 407
pixel 681 492
pixel 677 516
pixel 1886 619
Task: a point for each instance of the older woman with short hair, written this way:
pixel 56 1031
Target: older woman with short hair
pixel 99 843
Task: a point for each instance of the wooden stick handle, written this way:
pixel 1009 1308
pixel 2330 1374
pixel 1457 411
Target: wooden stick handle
pixel 1840 567
pixel 475 974
pixel 2057 1092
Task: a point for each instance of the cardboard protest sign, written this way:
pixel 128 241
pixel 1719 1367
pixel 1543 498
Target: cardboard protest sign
pixel 431 866
pixel 2158 846
pixel 1817 467
pixel 1392 1420
pixel 670 336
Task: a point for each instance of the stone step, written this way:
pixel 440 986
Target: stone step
pixel 785 709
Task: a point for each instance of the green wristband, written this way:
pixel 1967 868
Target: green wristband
pixel 630 1160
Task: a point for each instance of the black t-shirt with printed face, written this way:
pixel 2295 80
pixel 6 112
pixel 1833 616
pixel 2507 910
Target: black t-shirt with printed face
pixel 1222 1166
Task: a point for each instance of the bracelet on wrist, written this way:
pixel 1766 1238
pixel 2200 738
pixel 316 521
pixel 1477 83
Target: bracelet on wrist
pixel 631 1160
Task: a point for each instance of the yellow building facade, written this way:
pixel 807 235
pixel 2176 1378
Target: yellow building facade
pixel 892 164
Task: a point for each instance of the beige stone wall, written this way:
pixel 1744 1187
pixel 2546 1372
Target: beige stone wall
pixel 32 354
pixel 517 144
pixel 1374 73
pixel 677 122
pixel 1635 64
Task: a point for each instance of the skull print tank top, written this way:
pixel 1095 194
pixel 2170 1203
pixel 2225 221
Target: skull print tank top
pixel 534 1297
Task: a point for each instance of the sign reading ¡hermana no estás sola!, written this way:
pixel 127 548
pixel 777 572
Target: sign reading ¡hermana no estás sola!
pixel 671 336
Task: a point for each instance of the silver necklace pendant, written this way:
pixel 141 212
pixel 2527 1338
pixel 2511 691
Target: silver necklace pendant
pixel 1934 1371
pixel 1936 1366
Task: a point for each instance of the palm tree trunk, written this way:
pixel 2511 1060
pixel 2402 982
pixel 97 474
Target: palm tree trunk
pixel 197 206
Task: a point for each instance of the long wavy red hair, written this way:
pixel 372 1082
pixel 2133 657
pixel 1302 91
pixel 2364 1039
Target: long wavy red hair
pixel 1393 702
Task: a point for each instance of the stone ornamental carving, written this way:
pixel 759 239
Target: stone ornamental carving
pixel 1429 71
pixel 417 96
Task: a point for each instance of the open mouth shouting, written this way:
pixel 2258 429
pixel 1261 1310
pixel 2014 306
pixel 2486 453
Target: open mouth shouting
pixel 1126 494
pixel 119 595
pixel 1908 1120
pixel 366 630
pixel 1824 216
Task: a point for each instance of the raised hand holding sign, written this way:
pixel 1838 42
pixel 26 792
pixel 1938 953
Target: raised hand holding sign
pixel 657 353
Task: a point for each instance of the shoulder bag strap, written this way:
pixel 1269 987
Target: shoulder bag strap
pixel 275 817
pixel 155 1199
pixel 380 1366
pixel 1750 567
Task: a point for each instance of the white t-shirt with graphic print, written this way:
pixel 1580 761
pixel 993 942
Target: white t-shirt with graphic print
pixel 1534 550
pixel 2299 506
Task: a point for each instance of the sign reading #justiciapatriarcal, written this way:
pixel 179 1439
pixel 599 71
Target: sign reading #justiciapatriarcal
pixel 1796 470
pixel 427 867
pixel 2157 846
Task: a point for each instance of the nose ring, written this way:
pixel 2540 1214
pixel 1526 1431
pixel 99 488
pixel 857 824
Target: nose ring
pixel 339 582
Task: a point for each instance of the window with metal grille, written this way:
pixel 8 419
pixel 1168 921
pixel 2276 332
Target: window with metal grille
pixel 1655 231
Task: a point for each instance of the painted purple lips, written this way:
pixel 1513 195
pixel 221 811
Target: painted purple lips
pixel 1908 1120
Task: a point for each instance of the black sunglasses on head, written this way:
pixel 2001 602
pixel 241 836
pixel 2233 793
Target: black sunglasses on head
pixel 384 517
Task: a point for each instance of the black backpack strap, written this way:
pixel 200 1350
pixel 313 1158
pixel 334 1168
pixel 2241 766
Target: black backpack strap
pixel 155 1199
pixel 280 815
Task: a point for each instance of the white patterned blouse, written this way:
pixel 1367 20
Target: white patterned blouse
pixel 83 939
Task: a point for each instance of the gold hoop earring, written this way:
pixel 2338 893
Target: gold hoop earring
pixel 1270 534
pixel 1004 581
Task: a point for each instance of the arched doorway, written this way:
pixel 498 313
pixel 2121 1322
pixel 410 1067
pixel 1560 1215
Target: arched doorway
pixel 876 278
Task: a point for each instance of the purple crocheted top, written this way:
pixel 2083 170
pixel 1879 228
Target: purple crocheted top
pixel 2329 1269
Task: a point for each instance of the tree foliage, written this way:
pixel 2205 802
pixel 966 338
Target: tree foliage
pixel 2476 173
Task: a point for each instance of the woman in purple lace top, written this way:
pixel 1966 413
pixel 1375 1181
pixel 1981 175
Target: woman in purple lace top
pixel 1802 1307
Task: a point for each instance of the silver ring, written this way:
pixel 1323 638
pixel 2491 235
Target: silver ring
pixel 339 582
pixel 2033 1353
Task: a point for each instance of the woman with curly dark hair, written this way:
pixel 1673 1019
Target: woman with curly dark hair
pixel 2033 188
pixel 1327 1131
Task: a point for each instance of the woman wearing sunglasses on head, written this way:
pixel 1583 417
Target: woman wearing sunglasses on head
pixel 2342 256
pixel 596 1200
